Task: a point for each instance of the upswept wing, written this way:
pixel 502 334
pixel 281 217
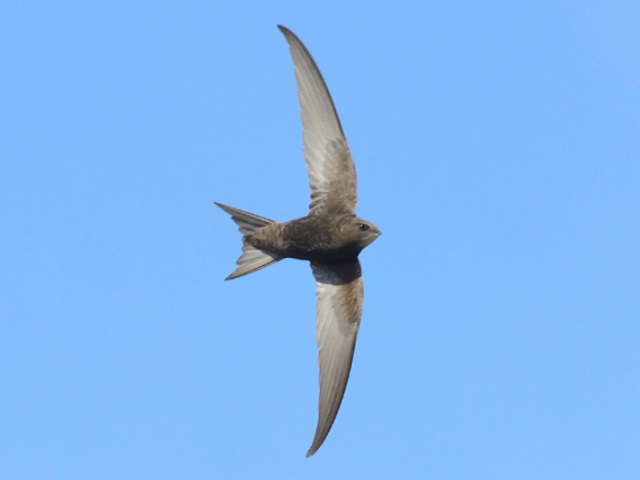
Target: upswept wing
pixel 340 294
pixel 332 174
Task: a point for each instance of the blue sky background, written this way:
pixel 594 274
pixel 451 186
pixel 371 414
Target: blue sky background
pixel 498 149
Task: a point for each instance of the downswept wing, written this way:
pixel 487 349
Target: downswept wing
pixel 340 294
pixel 332 174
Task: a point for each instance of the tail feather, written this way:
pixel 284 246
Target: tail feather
pixel 252 259
pixel 248 222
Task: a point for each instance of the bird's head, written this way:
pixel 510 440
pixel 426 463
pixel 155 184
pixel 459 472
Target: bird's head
pixel 359 232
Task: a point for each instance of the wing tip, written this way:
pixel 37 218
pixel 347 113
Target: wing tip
pixel 314 448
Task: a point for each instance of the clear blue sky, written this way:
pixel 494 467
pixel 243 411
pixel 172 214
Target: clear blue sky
pixel 498 149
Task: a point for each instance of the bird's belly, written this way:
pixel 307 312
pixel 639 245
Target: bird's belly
pixel 323 254
pixel 305 247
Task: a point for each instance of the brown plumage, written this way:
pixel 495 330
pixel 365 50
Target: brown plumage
pixel 330 236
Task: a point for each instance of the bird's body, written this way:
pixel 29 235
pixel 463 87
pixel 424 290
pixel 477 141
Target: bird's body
pixel 331 236
pixel 328 238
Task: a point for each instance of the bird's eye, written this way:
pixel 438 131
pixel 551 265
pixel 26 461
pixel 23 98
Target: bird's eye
pixel 363 227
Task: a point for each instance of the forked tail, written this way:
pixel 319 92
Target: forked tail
pixel 252 259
